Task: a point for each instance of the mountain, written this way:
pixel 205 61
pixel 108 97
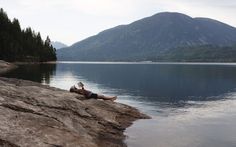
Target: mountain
pixel 153 38
pixel 58 45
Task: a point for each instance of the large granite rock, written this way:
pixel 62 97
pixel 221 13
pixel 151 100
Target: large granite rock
pixel 5 66
pixel 35 115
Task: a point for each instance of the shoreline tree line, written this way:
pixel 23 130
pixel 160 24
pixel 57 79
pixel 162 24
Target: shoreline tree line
pixel 25 45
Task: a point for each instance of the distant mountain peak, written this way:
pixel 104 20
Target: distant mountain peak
pixel 170 14
pixel 58 45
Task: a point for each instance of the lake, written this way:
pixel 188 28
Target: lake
pixel 191 104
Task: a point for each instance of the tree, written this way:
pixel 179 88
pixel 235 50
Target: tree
pixel 22 45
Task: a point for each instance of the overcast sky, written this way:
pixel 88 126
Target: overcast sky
pixel 70 21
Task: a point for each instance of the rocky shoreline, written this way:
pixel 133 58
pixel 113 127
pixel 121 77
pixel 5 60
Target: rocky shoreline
pixel 36 115
pixel 5 66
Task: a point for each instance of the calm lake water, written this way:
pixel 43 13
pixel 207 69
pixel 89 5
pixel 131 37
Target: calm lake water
pixel 191 104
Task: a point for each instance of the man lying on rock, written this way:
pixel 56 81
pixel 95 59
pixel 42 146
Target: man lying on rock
pixel 89 94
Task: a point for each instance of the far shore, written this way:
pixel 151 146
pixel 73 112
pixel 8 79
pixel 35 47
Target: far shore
pixel 134 62
pixel 125 62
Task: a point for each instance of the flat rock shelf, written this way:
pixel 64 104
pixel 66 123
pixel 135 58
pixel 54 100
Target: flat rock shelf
pixel 5 66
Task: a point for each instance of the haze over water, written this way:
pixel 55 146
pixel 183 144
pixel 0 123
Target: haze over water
pixel 191 104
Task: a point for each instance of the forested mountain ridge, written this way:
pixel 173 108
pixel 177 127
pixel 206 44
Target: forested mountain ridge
pixel 22 45
pixel 152 38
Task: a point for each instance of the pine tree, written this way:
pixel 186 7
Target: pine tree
pixel 22 45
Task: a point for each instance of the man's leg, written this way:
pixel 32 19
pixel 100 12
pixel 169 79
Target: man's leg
pixel 107 97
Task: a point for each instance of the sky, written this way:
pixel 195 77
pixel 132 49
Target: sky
pixel 70 21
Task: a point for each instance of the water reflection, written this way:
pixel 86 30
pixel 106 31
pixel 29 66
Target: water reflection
pixel 41 73
pixel 211 125
pixel 157 82
pixel 149 83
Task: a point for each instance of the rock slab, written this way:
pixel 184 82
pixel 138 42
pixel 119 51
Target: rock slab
pixel 5 66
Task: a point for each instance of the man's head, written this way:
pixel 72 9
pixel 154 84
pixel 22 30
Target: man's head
pixel 73 89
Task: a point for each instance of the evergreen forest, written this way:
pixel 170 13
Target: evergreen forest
pixel 23 45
